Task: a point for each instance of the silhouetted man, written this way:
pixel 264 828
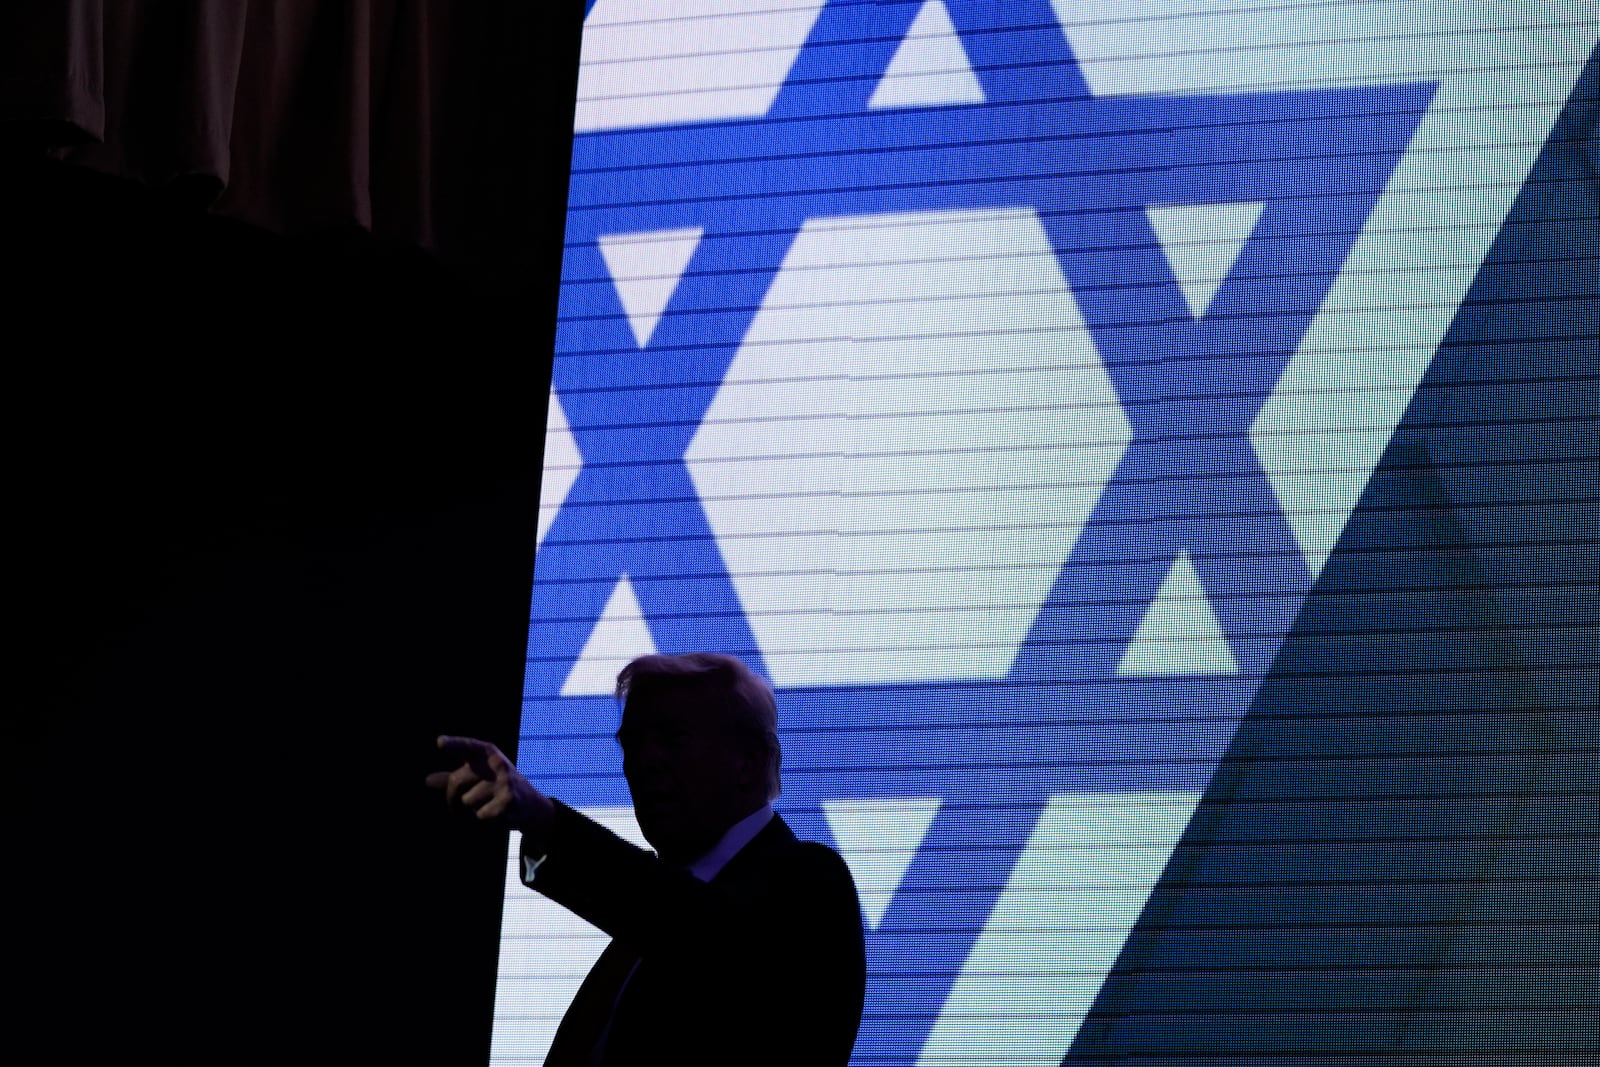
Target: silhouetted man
pixel 734 942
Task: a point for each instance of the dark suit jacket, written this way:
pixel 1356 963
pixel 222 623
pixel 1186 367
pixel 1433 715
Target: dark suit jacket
pixel 765 964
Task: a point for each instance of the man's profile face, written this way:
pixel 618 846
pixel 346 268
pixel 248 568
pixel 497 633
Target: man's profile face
pixel 689 778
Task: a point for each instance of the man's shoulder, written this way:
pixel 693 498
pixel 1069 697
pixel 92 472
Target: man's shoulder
pixel 779 841
pixel 776 853
pixel 818 855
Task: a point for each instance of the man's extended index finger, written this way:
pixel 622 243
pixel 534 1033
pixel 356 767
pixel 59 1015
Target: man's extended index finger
pixel 464 747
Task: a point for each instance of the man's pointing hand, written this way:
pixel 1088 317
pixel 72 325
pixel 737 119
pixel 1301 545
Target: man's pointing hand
pixel 490 786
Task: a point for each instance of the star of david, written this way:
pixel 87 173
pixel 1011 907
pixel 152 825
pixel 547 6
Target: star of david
pixel 1089 167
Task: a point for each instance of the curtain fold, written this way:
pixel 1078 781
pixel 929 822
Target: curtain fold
pixel 292 115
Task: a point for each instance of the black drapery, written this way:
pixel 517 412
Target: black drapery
pixel 417 120
pixel 279 300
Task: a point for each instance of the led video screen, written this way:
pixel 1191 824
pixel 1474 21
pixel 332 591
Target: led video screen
pixel 997 379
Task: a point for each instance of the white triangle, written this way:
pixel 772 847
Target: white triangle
pixel 1059 925
pixel 619 636
pixel 1180 633
pixel 1201 242
pixel 646 268
pixel 878 839
pixel 930 67
pixel 562 461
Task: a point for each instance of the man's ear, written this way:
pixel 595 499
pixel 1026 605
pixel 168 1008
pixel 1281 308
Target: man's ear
pixel 752 769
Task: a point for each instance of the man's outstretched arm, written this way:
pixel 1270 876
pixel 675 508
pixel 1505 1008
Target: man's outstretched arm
pixel 621 888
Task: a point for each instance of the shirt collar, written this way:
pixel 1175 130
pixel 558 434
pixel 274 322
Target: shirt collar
pixel 737 836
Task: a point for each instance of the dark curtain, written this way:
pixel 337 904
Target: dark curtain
pixel 291 115
pixel 279 299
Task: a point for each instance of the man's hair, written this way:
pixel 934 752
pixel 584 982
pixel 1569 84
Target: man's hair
pixel 741 700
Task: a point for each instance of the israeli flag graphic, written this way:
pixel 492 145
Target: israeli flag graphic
pixel 996 379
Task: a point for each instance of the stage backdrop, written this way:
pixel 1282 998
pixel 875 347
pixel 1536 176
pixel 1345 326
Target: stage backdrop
pixel 1000 380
